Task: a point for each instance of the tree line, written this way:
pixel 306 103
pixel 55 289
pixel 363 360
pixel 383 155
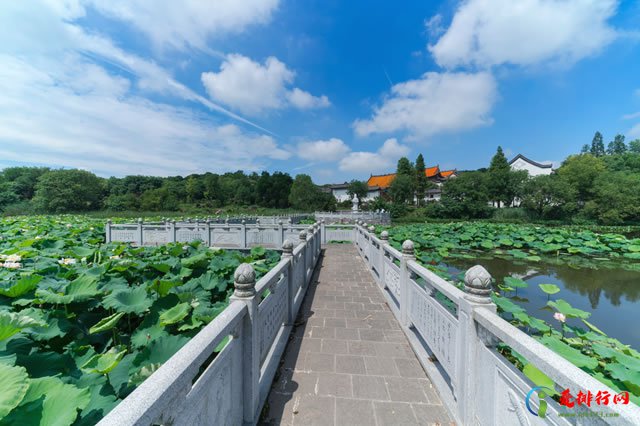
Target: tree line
pixel 25 190
pixel 599 185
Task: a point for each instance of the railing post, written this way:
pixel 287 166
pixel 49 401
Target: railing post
pixel 244 282
pixel 303 257
pixel 243 234
pixel 140 231
pixel 172 231
pixel 477 287
pixel 407 255
pixel 208 231
pixel 107 230
pixel 280 240
pixel 287 253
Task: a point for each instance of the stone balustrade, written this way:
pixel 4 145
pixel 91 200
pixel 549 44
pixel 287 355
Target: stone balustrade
pixel 191 388
pixel 455 334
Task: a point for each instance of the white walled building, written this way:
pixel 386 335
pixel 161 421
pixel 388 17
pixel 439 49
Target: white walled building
pixel 520 162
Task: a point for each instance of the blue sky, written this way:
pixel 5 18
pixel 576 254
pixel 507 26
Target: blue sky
pixel 335 89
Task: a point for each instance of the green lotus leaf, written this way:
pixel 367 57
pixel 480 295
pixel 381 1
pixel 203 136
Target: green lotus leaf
pixel 175 314
pixel 130 301
pixel 565 308
pixel 162 287
pixel 571 354
pixel 593 327
pixel 145 336
pixel 515 282
pixel 12 323
pixel 15 383
pixel 507 305
pixel 104 363
pixel 82 288
pixel 22 286
pixel 144 373
pixel 61 400
pixel 106 323
pixel 549 288
pixel 539 378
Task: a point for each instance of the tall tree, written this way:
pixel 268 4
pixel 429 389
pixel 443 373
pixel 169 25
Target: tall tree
pixel 586 149
pixel 405 167
pixel 634 146
pixel 617 146
pixel 62 191
pixel 421 180
pixel 498 178
pixel 597 145
pixel 579 172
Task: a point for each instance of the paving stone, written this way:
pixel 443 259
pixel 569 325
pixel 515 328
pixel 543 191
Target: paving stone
pixel 378 366
pixel 369 387
pixel 403 389
pixel 431 415
pixel 354 412
pixel 331 384
pixel 333 346
pixel 317 362
pixel 313 410
pixel 347 333
pixel 394 413
pixel 350 364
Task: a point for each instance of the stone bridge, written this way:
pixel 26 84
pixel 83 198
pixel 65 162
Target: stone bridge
pixel 352 333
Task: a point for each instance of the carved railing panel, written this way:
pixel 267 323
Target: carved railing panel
pixel 436 326
pixel 272 313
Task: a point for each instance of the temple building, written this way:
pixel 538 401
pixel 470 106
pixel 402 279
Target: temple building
pixel 520 162
pixel 379 184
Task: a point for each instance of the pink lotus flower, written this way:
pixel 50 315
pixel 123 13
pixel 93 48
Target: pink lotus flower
pixel 12 265
pixel 560 317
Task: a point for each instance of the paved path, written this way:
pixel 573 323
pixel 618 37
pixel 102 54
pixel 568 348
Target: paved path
pixel 348 362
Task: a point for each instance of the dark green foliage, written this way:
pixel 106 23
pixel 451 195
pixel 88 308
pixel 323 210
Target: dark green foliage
pixel 358 188
pixel 597 145
pixel 402 189
pixel 422 182
pixel 60 191
pixel 306 196
pixel 466 196
pixel 634 146
pixel 617 146
pixel 498 179
pixel 545 197
pixel 405 167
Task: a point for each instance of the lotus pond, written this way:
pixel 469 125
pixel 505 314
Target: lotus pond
pixel 575 291
pixel 82 323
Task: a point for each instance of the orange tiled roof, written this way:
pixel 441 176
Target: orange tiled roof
pixel 447 173
pixel 384 181
pixel 431 171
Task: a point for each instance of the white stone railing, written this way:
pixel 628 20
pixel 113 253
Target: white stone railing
pixel 351 217
pixel 191 389
pixel 456 344
pixel 223 235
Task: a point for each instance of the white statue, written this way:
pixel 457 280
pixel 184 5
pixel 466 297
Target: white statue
pixel 355 203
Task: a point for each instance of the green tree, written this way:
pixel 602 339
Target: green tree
pixel 422 183
pixel 62 191
pixel 466 196
pixel 586 149
pixel 498 184
pixel 306 196
pixel 579 173
pixel 616 198
pixel 404 167
pixel 401 189
pixel 358 188
pixel 617 145
pixel 545 196
pixel 634 146
pixel 597 145
pixel 195 188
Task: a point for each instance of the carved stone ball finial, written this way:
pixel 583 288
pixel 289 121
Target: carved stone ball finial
pixel 303 235
pixel 244 221
pixel 477 284
pixel 322 221
pixel 365 224
pixel 244 281
pixel 280 222
pixel 287 248
pixel 109 221
pixel 408 248
pixel 384 235
pixel 372 228
pixel 139 220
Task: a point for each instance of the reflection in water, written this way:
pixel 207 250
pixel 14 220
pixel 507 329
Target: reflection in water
pixel 582 287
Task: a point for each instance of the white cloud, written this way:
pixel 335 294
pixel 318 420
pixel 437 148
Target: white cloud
pixel 322 151
pixel 75 114
pixel 435 103
pixel 304 100
pixel 183 24
pixel 253 88
pixel 525 32
pixel 434 25
pixel 631 116
pixel 374 162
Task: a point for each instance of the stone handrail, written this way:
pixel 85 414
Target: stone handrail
pixel 454 334
pixel 223 235
pixel 191 389
pixel 351 217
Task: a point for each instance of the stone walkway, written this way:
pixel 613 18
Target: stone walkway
pixel 348 362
